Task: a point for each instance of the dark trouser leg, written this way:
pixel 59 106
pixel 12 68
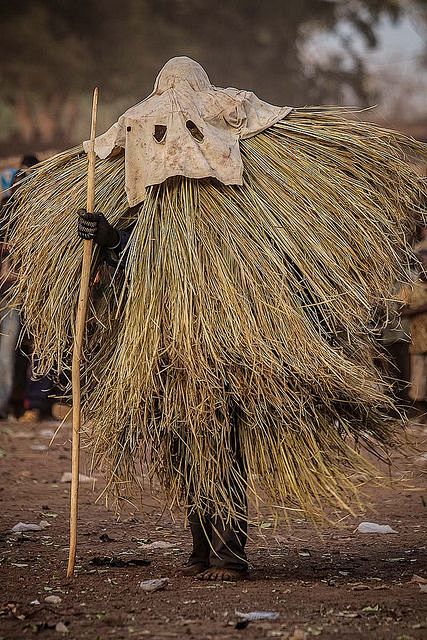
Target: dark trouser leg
pixel 9 330
pixel 37 394
pixel 229 541
pixel 201 532
pixel 398 352
pixel 229 538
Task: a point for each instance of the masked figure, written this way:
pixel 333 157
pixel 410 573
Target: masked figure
pixel 231 343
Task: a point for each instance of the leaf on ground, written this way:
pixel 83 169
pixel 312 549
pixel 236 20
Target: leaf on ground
pixel 107 561
pixel 38 447
pixel 66 477
pixel 47 433
pixel 160 544
pixel 156 584
pixel 373 527
pixel 25 526
pixel 251 616
pixel 381 587
pixel 370 609
pixel 360 587
pixel 53 599
pixel 104 537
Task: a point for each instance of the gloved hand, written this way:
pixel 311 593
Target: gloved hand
pixel 95 226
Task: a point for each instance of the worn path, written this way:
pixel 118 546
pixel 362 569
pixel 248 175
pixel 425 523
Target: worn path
pixel 343 585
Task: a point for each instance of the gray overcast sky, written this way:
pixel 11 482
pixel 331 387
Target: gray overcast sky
pixel 398 65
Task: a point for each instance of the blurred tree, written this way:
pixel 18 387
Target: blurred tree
pixel 43 67
pixel 54 52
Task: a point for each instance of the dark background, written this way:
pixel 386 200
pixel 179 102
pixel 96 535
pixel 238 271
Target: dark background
pixel 54 52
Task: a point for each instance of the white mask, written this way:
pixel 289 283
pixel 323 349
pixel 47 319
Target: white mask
pixel 185 127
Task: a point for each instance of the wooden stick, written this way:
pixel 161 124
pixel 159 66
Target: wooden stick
pixel 78 343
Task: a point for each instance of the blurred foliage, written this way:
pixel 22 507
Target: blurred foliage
pixel 54 51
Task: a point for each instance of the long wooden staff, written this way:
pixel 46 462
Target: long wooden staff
pixel 78 342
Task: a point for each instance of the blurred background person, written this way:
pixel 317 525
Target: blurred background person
pixel 9 330
pixel 9 317
pixel 7 177
pixel 395 339
pixel 31 399
pixel 27 161
pixel 416 312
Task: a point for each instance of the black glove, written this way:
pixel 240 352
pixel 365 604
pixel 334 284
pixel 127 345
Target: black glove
pixel 95 226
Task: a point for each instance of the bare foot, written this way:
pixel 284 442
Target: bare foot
pixel 217 573
pixel 193 569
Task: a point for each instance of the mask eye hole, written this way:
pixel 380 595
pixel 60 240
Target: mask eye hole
pixel 195 132
pixel 160 132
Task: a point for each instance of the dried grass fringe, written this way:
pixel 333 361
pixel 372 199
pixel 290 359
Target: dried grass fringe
pixel 259 297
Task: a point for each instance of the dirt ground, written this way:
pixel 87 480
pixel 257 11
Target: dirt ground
pixel 338 586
